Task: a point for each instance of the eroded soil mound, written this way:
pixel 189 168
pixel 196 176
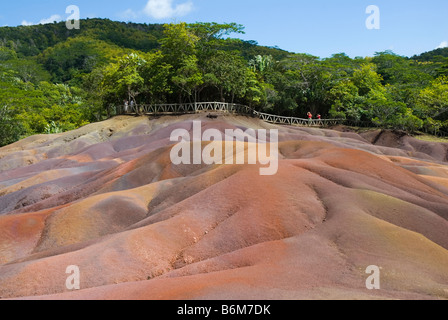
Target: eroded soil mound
pixel 108 199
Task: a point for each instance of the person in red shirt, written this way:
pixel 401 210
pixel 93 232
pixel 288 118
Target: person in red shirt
pixel 310 117
pixel 319 117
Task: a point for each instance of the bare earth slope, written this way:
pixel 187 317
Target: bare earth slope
pixel 107 199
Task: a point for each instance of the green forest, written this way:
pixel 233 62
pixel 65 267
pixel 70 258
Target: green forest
pixel 53 79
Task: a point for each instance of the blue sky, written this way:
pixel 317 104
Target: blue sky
pixel 319 27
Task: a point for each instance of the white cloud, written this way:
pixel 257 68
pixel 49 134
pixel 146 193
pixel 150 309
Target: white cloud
pixel 129 14
pixel 51 19
pixel 163 9
pixel 26 23
pixel 444 44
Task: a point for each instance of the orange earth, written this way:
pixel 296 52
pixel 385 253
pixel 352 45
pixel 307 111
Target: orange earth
pixel 108 199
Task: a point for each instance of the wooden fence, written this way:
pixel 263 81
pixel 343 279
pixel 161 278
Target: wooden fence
pixel 233 108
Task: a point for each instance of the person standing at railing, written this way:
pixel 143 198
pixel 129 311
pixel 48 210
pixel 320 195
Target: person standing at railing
pixel 126 106
pixel 310 117
pixel 319 117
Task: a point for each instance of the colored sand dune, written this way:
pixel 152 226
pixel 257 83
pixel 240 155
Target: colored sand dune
pixel 107 198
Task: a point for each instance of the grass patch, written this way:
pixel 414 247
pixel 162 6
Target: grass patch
pixel 430 138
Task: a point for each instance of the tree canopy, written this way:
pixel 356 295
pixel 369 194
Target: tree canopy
pixel 53 79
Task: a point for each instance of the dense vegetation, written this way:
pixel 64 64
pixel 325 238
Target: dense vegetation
pixel 53 79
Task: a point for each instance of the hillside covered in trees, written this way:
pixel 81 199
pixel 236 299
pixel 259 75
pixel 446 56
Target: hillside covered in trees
pixel 53 79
